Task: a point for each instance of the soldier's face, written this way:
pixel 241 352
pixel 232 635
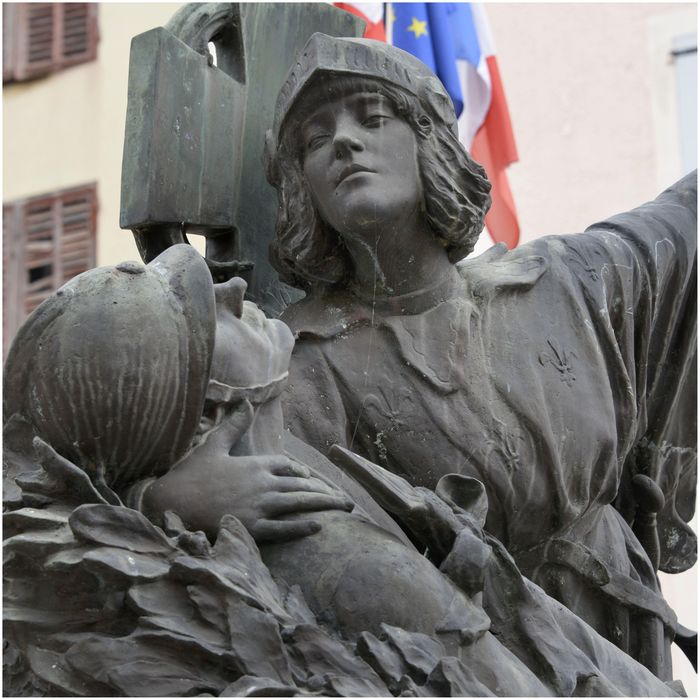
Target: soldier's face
pixel 360 161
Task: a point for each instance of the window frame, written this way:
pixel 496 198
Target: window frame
pixel 662 31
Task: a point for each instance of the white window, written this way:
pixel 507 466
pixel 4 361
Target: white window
pixel 684 51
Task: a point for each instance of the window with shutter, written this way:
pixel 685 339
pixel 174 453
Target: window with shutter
pixel 41 38
pixel 47 240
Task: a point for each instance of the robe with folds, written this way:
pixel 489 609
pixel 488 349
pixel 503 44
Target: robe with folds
pixel 553 373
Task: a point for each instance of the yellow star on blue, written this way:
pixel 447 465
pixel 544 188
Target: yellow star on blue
pixel 417 27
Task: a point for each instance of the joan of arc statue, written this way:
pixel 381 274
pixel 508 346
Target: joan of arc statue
pixel 560 374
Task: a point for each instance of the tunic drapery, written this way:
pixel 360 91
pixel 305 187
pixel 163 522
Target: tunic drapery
pixel 553 373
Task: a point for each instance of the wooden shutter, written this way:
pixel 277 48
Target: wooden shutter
pixel 78 216
pixel 52 36
pixel 35 40
pixel 79 27
pixel 9 35
pixel 41 227
pixel 47 241
pixel 11 273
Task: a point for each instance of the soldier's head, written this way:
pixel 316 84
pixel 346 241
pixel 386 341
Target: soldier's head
pixel 112 370
pixel 122 370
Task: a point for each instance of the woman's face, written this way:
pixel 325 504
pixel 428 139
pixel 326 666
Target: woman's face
pixel 360 161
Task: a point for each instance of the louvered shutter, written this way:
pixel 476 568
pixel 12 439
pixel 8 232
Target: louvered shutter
pixel 52 36
pixel 40 224
pixel 79 27
pixel 76 252
pixel 36 40
pixel 10 30
pixel 12 247
pixel 47 240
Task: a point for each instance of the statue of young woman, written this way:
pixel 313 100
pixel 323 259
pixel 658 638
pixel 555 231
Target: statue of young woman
pixel 560 374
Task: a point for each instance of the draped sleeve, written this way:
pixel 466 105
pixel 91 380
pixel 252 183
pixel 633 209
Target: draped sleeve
pixel 639 270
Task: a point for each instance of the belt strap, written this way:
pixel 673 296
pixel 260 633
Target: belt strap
pixel 621 588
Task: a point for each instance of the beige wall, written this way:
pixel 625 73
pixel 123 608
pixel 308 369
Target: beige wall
pixel 590 92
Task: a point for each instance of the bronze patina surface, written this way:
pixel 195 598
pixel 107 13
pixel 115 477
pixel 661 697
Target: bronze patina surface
pixel 430 477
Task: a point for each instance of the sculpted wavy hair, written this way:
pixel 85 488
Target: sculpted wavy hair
pixel 307 252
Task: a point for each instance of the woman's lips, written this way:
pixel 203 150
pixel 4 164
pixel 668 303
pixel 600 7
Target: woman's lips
pixel 349 170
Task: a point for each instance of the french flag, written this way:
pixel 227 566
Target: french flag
pixel 455 41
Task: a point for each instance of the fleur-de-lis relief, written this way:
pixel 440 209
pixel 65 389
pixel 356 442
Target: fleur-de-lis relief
pixel 506 445
pixel 560 359
pixel 578 257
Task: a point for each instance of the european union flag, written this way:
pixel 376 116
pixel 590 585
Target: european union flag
pixel 438 34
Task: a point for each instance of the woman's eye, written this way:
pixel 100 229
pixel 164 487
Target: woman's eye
pixel 374 120
pixel 316 141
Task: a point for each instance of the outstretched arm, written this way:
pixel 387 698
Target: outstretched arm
pixel 639 268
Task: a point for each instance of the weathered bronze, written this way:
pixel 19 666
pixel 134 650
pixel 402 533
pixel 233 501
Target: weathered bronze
pixel 200 126
pixel 559 374
pixel 484 465
pixel 99 600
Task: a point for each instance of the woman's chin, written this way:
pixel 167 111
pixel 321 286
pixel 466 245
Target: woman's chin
pixel 367 218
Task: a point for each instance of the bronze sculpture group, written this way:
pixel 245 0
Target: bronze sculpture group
pixel 467 446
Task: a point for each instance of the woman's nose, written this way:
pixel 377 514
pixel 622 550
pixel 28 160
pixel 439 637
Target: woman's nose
pixel 346 140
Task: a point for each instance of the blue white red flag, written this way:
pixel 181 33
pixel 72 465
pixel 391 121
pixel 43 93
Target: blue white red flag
pixel 454 40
